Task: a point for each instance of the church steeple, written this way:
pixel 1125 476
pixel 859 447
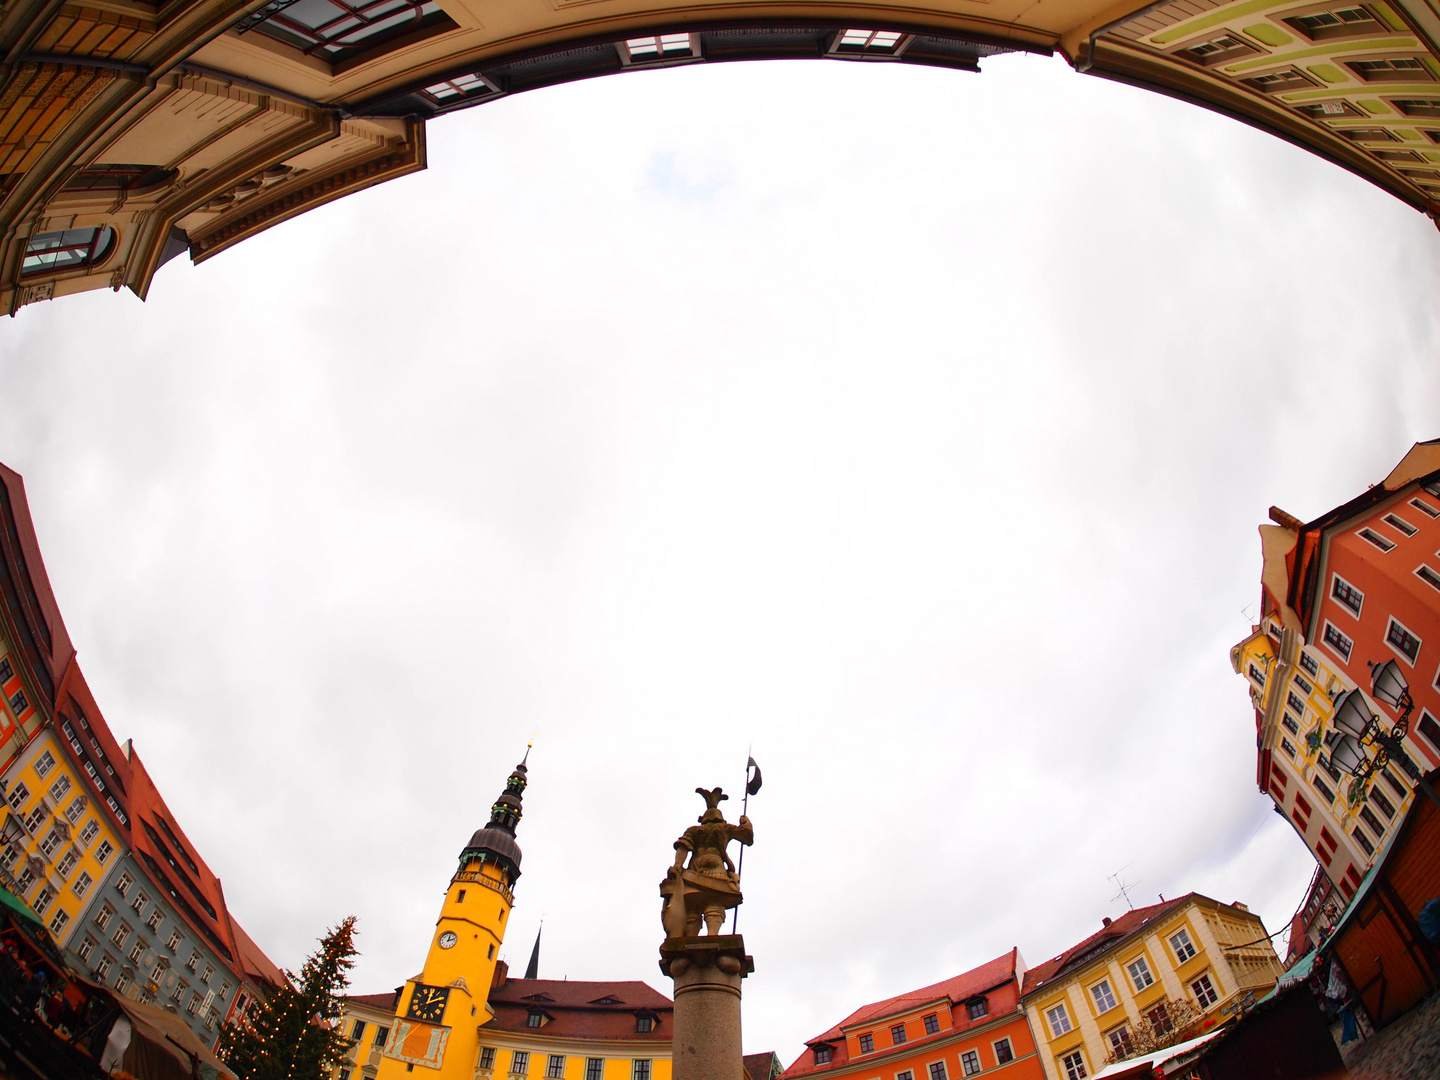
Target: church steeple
pixel 533 970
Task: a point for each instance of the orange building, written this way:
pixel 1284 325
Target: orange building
pixel 971 1025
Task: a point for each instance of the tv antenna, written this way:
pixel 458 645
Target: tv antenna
pixel 1123 886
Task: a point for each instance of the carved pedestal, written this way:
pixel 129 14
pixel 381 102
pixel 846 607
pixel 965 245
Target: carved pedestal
pixel 707 973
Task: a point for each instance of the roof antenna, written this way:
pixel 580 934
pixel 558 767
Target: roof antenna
pixel 1124 887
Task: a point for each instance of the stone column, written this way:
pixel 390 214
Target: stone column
pixel 707 972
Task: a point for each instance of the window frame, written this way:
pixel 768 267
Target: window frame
pixel 1109 993
pixel 1144 965
pixel 1009 1050
pixel 1334 646
pixel 1056 1031
pixel 1204 977
pixel 1189 943
pixel 1339 585
pixel 1290 21
pixel 967 1057
pixel 1376 540
pixel 104 241
pixel 555 1067
pixel 1410 658
pixel 1073 1064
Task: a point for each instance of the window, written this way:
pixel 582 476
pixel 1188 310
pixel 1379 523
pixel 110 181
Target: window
pixel 1371 535
pixel 1257 674
pixel 193 1005
pixel 937 1070
pixel 1368 816
pixel 1204 992
pixel 594 1069
pixel 194 962
pixel 52 840
pixel 823 1054
pixel 1395 69
pixel 24 880
pixel 932 1024
pixel 36 819
pixel 1288 747
pixel 102 969
pixel 337 29
pixel 1074 1065
pixel 1363 840
pixel 857 42
pixel 1121 1045
pixel 1418 107
pixel 86 947
pixel 1400 524
pixel 59 922
pixel 123 980
pixel 1395 785
pixel 1305 687
pixel 1140 973
pixel 977 1008
pixel 67 862
pixel 640 1069
pixel 1059 1020
pixel 1003 1052
pixel 174 942
pixel 137 950
pixel 104 851
pixel 1402 640
pixel 1430 577
pixel 1288 722
pixel 123 882
pixel 9 855
pixel 1336 23
pixel 1218 50
pixel 1159 1018
pixel 44 763
pixel 1276 82
pixel 649 50
pixel 970 1062
pixel 1429 728
pixel 1183 946
pixel 644 1023
pixel 867 1043
pixel 75 809
pixel 458 88
pixel 6 672
pixel 382 1036
pixel 156 917
pixel 1425 508
pixel 18 794
pixel 487 1061
pixel 1337 642
pixel 1103 995
pixel 1380 802
pixel 1320 786
pixel 42 900
pixel 1349 597
pixel 59 788
pixel 897 1034
pixel 139 903
pixel 1295 703
pixel 555 1067
pixel 17 706
pixel 905 1074
pixel 519 1062
pixel 1311 666
pixel 82 884
pixel 104 915
pixel 121 933
pixel 535 1019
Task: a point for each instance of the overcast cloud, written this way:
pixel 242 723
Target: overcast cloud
pixel 911 426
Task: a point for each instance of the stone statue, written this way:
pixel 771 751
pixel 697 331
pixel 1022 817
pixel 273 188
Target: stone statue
pixel 708 885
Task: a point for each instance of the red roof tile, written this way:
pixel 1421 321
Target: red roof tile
pixel 1105 938
pixel 384 1002
pixel 581 1010
pixel 762 1066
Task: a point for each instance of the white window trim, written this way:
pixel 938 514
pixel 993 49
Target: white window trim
pixel 1334 578
pixel 1419 642
pixel 1325 644
pixel 930 1066
pixel 979 1066
pixel 1141 959
pixel 1065 1014
pixel 1424 507
pixel 1404 528
pixel 1110 990
pixel 659 58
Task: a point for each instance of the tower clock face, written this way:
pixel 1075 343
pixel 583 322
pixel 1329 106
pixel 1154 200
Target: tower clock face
pixel 447 939
pixel 428 1003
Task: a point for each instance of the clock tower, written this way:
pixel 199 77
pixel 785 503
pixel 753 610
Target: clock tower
pixel 438 1013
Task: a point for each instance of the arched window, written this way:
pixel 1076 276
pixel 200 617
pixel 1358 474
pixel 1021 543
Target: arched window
pixel 67 249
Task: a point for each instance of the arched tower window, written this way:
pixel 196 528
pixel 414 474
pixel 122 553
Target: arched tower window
pixel 67 249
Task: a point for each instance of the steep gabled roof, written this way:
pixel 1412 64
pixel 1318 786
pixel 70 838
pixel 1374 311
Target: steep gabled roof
pixel 1105 939
pixel 575 1009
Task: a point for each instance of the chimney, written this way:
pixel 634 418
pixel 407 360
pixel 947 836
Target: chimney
pixel 502 972
pixel 1105 921
pixel 1238 904
pixel 1288 521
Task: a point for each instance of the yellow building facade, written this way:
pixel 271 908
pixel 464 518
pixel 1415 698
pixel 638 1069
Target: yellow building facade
pixel 1085 1004
pixel 58 846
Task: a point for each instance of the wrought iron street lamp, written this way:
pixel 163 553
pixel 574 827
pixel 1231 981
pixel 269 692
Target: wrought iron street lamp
pixel 1357 730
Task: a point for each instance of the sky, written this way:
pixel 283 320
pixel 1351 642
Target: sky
pixel 906 428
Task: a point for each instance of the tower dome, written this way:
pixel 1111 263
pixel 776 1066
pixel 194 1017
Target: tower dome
pixel 496 842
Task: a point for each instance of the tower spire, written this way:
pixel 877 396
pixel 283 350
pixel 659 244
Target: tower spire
pixel 532 970
pixel 496 843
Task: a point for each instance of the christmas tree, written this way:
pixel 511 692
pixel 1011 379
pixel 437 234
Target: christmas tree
pixel 293 1033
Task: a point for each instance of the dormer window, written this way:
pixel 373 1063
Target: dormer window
pixel 67 249
pixel 608 999
pixel 534 1019
pixel 824 1053
pixel 661 47
pixel 977 1008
